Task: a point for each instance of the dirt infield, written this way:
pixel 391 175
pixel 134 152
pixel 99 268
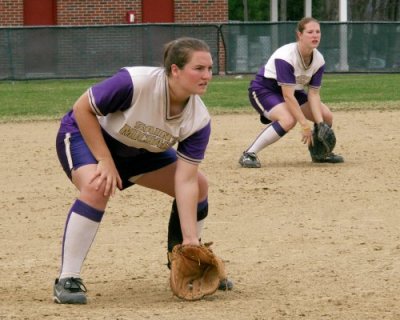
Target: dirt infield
pixel 300 240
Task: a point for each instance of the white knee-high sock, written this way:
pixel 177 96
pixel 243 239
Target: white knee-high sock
pixel 80 230
pixel 268 136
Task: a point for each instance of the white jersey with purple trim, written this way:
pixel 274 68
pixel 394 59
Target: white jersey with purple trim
pixel 133 108
pixel 287 67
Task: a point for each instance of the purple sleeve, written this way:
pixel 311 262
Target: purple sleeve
pixel 194 147
pixel 316 79
pixel 284 72
pixel 112 94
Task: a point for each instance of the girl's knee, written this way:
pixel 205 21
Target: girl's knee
pixel 287 123
pixel 94 197
pixel 203 186
pixel 327 114
pixel 328 118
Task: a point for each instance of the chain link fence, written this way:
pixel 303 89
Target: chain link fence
pixel 90 51
pixel 236 48
pixel 347 47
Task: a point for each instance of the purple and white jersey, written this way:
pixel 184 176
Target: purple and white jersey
pixel 133 108
pixel 286 67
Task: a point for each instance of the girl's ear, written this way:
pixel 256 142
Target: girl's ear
pixel 174 69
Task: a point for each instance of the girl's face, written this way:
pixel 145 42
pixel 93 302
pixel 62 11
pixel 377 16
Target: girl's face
pixel 311 35
pixel 196 74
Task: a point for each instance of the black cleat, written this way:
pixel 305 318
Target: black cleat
pixel 330 158
pixel 69 291
pixel 225 285
pixel 249 160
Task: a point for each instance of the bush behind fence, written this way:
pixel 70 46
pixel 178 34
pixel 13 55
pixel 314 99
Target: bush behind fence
pixel 237 48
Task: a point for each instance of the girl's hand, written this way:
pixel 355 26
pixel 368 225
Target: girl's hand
pixel 194 242
pixel 107 173
pixel 306 135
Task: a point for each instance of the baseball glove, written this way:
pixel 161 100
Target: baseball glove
pixel 195 271
pixel 324 141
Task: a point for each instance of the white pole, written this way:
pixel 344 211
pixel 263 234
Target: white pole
pixel 342 10
pixel 308 8
pixel 274 10
pixel 274 28
pixel 343 63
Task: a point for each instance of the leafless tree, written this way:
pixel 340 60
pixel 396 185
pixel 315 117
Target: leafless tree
pixel 374 10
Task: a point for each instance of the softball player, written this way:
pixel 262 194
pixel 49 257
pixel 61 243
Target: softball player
pixel 278 93
pixel 121 132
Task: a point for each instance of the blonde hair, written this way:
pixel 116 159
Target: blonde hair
pixel 180 51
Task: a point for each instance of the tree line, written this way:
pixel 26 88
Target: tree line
pixel 323 10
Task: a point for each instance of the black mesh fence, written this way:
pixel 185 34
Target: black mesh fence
pixel 347 47
pixel 84 52
pixel 99 51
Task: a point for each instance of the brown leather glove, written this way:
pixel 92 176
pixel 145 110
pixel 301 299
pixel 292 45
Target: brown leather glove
pixel 195 271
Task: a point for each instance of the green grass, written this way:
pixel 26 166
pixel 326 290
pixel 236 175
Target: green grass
pixel 39 98
pixel 339 91
pixel 50 99
pixel 371 90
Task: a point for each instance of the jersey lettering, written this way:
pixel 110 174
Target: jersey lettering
pixel 303 79
pixel 148 134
